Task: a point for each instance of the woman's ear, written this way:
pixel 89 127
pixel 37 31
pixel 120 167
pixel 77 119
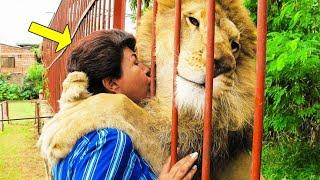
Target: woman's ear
pixel 111 85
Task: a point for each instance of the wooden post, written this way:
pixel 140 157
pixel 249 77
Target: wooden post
pixel 2 117
pixel 38 117
pixel 7 111
pixel 35 112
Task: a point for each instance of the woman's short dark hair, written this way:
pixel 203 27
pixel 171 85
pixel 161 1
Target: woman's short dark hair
pixel 99 55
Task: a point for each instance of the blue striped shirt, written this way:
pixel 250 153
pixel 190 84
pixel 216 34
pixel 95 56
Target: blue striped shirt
pixel 103 154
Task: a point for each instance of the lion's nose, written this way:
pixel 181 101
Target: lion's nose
pixel 221 67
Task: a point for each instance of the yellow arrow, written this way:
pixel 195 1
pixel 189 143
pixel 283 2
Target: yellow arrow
pixel 63 39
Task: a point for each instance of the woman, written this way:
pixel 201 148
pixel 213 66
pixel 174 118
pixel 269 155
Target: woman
pixel 108 59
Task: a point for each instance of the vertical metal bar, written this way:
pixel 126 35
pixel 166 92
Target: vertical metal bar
pixel 119 14
pixel 260 83
pixel 139 12
pixel 95 16
pixel 72 16
pixel 174 127
pixel 207 128
pixel 91 20
pixel 99 19
pixel 153 49
pixel 88 21
pixel 81 24
pixel 87 24
pixel 104 15
pixel 109 14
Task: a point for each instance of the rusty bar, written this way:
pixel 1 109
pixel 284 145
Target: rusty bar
pixel 95 16
pixel 174 127
pixel 104 15
pixel 153 50
pixel 80 20
pixel 69 14
pixel 77 5
pixel 85 26
pixel 119 11
pixel 91 20
pixel 139 11
pixel 71 6
pixel 260 83
pixel 99 19
pixel 109 14
pixel 207 124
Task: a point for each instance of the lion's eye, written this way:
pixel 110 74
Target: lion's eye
pixel 194 21
pixel 235 46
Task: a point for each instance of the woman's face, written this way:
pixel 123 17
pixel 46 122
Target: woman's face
pixel 134 81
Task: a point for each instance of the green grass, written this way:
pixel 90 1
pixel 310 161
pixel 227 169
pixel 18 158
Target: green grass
pixel 21 109
pixel 291 159
pixel 19 157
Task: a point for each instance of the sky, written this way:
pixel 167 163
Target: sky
pixel 17 15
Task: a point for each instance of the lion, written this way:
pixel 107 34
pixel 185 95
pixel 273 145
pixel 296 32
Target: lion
pixel 148 125
pixel 234 75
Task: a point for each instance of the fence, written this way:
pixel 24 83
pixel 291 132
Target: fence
pixel 37 118
pixel 84 17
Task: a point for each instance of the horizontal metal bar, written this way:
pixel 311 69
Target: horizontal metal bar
pixel 20 119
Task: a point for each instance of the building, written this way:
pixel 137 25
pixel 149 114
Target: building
pixel 15 59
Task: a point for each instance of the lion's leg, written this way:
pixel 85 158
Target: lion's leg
pixel 238 168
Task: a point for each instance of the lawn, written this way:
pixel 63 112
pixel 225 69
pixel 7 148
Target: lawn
pixel 19 157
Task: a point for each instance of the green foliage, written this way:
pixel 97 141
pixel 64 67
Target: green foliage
pixel 293 61
pixel 292 111
pixel 290 159
pixel 33 82
pixel 146 4
pixel 8 91
pixel 292 82
pixel 37 52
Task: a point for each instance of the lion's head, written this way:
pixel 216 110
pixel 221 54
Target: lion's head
pixel 234 74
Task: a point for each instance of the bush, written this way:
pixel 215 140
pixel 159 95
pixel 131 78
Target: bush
pixel 8 91
pixel 33 82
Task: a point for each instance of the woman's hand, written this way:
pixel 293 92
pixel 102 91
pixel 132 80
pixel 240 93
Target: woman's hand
pixel 181 170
